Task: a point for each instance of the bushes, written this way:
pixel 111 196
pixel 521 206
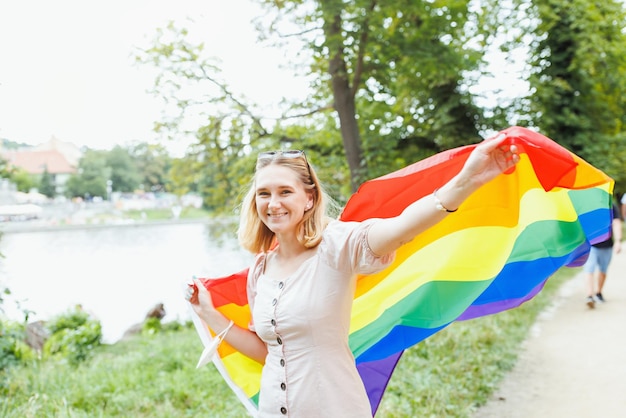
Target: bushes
pixel 73 336
pixel 13 347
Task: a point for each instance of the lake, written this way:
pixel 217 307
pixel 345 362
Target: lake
pixel 116 273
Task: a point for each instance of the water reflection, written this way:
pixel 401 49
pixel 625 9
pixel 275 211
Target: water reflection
pixel 116 273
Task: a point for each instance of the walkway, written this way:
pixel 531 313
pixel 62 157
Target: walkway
pixel 574 363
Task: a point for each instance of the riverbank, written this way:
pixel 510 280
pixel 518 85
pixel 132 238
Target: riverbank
pixel 34 226
pixel 71 216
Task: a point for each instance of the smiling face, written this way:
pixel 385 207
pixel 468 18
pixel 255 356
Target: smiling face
pixel 281 199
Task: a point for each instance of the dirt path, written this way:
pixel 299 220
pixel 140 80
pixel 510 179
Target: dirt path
pixel 574 362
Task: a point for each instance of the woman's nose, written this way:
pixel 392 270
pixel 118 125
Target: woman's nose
pixel 274 202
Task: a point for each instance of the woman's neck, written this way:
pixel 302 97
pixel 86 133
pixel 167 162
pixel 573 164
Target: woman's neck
pixel 288 247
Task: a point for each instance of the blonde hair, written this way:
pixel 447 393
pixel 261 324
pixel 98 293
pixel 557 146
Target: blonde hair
pixel 256 237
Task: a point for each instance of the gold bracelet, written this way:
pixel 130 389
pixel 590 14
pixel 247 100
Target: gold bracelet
pixel 439 206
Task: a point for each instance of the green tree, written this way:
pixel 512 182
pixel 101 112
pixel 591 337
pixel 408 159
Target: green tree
pixel 46 184
pixel 381 93
pixel 153 164
pixel 91 178
pixel 213 164
pixel 5 169
pixel 395 73
pixel 578 76
pixel 23 180
pixel 392 83
pixel 125 175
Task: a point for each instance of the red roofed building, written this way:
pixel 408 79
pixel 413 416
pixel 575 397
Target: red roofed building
pixel 59 159
pixel 37 162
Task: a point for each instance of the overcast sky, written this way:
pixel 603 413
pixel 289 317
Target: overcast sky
pixel 66 71
pixel 66 67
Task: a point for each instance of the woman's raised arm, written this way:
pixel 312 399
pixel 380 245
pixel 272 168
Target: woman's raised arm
pixel 488 160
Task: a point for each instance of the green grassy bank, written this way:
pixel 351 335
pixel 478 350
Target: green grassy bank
pixel 448 375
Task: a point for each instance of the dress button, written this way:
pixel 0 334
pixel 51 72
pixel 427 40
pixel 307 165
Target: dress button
pixel 274 302
pixel 279 341
pixel 282 362
pixel 273 321
pixel 283 386
pixel 281 285
pixel 283 410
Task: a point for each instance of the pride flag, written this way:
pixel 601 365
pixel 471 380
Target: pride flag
pixel 493 254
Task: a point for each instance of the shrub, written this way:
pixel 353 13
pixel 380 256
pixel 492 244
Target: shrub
pixel 73 336
pixel 151 326
pixel 13 349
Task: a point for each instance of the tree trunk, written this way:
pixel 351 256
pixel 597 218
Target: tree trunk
pixel 344 103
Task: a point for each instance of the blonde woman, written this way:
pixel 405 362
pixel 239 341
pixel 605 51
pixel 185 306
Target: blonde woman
pixel 301 284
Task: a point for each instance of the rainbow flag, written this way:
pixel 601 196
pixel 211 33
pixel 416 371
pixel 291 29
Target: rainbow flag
pixel 495 253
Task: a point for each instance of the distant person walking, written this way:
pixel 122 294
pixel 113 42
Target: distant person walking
pixel 599 259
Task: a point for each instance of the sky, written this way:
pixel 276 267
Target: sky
pixel 66 68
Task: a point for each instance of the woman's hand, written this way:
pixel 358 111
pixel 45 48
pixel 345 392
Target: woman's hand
pixel 489 159
pixel 243 340
pixel 200 299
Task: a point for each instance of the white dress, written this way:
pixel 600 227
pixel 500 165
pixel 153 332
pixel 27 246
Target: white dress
pixel 304 319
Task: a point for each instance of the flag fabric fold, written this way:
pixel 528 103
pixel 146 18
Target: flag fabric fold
pixel 493 254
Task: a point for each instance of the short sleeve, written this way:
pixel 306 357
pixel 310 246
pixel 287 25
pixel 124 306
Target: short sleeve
pixel 254 273
pixel 617 214
pixel 345 247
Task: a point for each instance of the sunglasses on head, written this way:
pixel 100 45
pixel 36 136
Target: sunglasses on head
pixel 292 153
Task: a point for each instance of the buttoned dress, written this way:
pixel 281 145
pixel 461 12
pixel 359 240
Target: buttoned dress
pixel 304 319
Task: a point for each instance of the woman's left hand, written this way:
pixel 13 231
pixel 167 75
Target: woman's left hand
pixel 489 159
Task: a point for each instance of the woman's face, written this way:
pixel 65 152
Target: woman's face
pixel 281 198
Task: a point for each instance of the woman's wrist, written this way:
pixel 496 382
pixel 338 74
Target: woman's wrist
pixel 454 193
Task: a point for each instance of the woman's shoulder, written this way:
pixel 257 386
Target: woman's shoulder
pixel 340 233
pixel 337 225
pixel 257 267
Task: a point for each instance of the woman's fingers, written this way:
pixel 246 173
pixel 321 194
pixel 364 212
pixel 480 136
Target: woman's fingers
pixel 192 291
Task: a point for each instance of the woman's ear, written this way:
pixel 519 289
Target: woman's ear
pixel 309 203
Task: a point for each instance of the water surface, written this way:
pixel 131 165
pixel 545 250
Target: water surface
pixel 116 273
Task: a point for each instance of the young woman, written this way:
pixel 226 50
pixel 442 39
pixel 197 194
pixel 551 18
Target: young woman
pixel 301 285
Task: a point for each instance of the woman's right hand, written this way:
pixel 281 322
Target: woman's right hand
pixel 200 299
pixel 243 340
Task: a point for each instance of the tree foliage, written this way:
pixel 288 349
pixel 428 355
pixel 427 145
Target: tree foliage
pixel 390 87
pixel 578 76
pixel 18 176
pixel 91 179
pixel 124 172
pixel 393 82
pixel 222 125
pixel 397 75
pixel 152 163
pixel 46 184
pixel 5 169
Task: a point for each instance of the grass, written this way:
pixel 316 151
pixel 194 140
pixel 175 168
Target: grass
pixel 448 375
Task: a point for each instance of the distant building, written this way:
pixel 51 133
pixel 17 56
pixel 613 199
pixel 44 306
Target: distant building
pixel 60 159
